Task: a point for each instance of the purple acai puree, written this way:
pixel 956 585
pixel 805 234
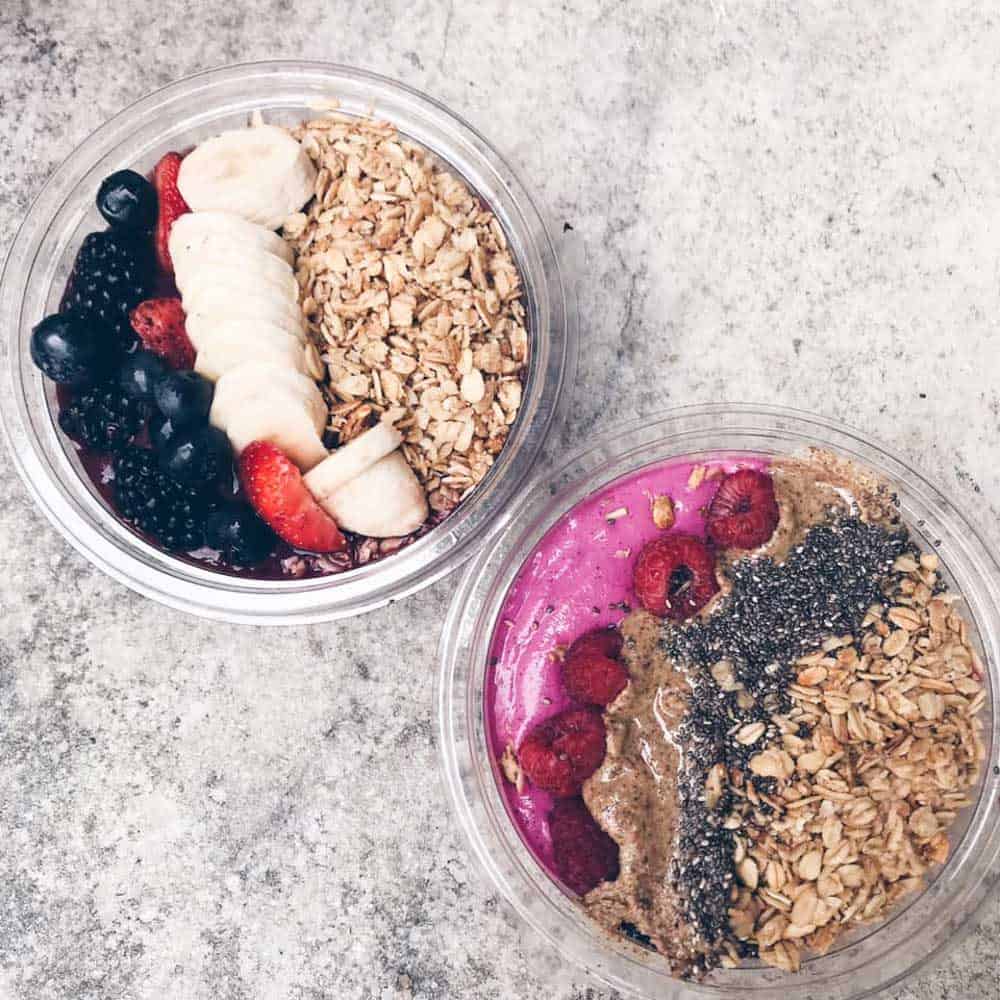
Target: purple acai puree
pixel 578 578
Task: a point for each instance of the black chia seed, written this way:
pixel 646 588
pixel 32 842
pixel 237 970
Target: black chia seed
pixel 775 613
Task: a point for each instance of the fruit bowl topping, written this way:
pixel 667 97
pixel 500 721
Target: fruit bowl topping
pixel 368 487
pixel 559 754
pixel 229 365
pixel 170 207
pixel 274 485
pixel 160 324
pixel 113 273
pixel 584 854
pixel 127 200
pixel 68 349
pixel 259 173
pixel 744 512
pixel 675 576
pixel 591 671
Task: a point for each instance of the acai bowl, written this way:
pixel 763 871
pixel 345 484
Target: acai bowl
pixel 751 773
pixel 438 232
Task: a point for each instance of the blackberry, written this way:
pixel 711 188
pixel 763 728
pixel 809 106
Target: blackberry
pixel 103 417
pixel 113 273
pixel 174 515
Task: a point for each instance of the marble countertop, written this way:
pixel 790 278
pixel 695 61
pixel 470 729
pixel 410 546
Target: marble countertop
pixel 791 202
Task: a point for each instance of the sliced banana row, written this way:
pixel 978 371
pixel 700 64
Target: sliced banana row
pixel 240 295
pixel 243 317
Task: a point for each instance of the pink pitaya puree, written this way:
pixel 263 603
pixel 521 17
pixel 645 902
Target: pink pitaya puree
pixel 577 579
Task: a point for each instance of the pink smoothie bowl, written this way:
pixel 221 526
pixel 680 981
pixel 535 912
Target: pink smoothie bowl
pixel 562 566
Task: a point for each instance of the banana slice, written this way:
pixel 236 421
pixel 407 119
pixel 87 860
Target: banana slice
pixel 253 376
pixel 201 327
pixel 262 275
pixel 277 416
pixel 218 306
pixel 233 344
pixel 248 264
pixel 260 401
pixel 352 459
pixel 261 174
pixel 211 236
pixel 385 501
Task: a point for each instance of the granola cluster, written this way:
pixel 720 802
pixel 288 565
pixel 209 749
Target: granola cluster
pixel 413 300
pixel 870 767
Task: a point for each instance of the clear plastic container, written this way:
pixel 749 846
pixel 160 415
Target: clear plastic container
pixel 178 116
pixel 873 959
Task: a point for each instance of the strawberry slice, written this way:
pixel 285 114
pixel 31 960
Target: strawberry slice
pixel 559 754
pixel 160 325
pixel 675 576
pixel 591 672
pixel 584 854
pixel 170 206
pixel 275 487
pixel 744 511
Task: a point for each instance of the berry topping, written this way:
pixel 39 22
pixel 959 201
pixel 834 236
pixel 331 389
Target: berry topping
pixel 743 513
pixel 171 206
pixel 198 455
pixel 66 348
pixel 184 397
pixel 278 493
pixel 173 514
pixel 584 854
pixel 139 373
pixel 559 754
pixel 160 325
pixel 590 671
pixel 103 417
pixel 239 534
pixel 675 576
pixel 112 274
pixel 127 200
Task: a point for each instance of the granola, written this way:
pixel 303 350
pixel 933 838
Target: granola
pixel 413 300
pixel 872 764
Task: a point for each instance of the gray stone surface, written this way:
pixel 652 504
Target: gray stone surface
pixel 792 202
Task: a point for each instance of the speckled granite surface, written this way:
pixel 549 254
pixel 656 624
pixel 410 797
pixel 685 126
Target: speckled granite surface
pixel 791 202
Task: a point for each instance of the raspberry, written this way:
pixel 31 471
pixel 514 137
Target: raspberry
pixel 113 272
pixel 160 325
pixel 103 417
pixel 584 854
pixel 173 514
pixel 559 754
pixel 744 512
pixel 590 671
pixel 675 576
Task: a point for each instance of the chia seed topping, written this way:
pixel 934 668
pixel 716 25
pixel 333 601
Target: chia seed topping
pixel 774 613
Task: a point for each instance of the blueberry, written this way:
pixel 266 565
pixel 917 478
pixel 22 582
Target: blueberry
pixel 127 201
pixel 139 374
pixel 68 349
pixel 184 397
pixel 161 431
pixel 239 534
pixel 199 456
